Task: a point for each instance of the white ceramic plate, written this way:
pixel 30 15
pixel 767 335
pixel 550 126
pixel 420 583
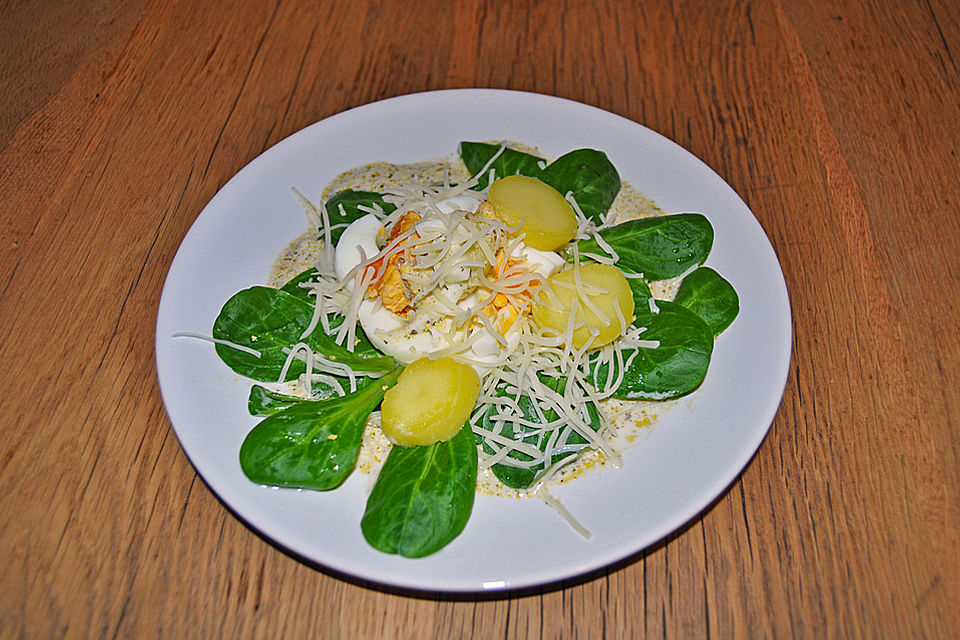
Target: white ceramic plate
pixel 691 456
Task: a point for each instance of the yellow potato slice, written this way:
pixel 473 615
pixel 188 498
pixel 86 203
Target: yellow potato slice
pixel 603 291
pixel 544 216
pixel 430 402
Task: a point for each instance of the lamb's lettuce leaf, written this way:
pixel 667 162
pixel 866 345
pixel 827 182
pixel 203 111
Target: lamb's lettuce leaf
pixel 710 296
pixel 525 477
pixel 312 444
pixel 660 247
pixel 270 320
pixel 423 496
pixel 350 201
pixel 676 366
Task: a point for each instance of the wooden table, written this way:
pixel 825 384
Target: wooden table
pixel 839 125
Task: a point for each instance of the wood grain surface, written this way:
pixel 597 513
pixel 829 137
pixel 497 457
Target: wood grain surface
pixel 837 122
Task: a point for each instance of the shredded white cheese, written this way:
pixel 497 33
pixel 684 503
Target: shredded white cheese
pixel 454 273
pixel 226 343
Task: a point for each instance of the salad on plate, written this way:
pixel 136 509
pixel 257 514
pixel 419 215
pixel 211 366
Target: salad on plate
pixel 489 321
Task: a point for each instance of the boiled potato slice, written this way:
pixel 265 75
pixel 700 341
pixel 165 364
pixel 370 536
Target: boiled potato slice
pixel 544 216
pixel 430 402
pixel 606 290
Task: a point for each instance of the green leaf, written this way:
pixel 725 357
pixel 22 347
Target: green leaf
pixel 351 202
pixel 587 174
pixel 640 290
pixel 362 344
pixel 590 176
pixel 312 444
pixel 659 247
pixel 674 368
pixel 269 320
pixel 524 477
pixel 264 402
pixel 293 285
pixel 423 496
pixel 710 296
pixel 475 156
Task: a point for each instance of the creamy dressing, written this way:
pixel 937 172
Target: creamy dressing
pixel 630 419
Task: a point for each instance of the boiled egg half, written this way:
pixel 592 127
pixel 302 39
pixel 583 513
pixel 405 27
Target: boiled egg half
pixel 430 330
